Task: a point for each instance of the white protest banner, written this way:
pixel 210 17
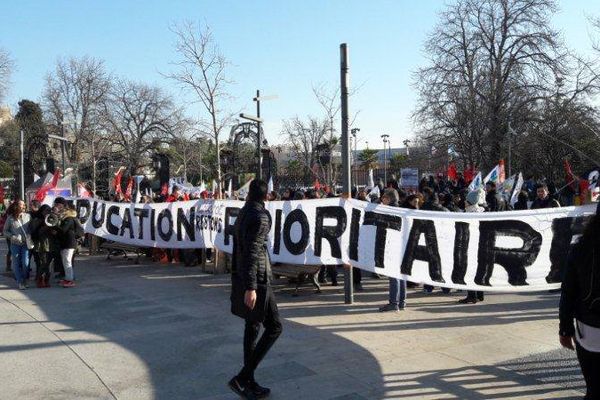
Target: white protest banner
pixel 506 251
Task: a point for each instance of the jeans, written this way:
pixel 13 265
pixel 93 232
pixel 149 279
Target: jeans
pixel 254 352
pixel 590 368
pixel 67 261
pixel 20 262
pixel 398 292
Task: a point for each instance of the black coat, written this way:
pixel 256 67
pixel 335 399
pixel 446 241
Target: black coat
pixel 494 202
pixel 67 233
pixel 430 205
pixel 250 258
pixel 548 202
pixel 580 297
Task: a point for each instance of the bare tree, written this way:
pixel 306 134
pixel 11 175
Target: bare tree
pixel 490 62
pixel 186 146
pixel 73 100
pixel 304 139
pixel 7 66
pixel 139 118
pixel 201 70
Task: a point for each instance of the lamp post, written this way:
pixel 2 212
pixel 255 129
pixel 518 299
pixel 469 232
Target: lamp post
pixel 385 141
pixel 258 121
pixel 406 142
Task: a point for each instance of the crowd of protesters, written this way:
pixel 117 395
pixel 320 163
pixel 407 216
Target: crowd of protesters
pixel 51 243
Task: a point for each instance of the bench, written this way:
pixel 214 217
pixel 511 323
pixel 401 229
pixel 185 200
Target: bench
pixel 120 248
pixel 298 274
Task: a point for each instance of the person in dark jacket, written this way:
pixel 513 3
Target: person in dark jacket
pixel 68 243
pixel 522 199
pixel 579 311
pixel 431 202
pixel 543 199
pixel 41 235
pixel 493 199
pixel 251 269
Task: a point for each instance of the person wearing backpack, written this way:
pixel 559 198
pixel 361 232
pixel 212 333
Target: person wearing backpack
pixel 70 228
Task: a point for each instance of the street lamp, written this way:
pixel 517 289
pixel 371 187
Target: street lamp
pixel 385 142
pixel 258 121
pixel 406 142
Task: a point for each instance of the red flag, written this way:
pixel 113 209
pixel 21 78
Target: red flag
pixel 502 174
pixel 118 177
pixel 186 196
pixel 469 173
pixel 452 174
pixel 570 179
pixel 40 195
pixel 129 189
pixel 317 184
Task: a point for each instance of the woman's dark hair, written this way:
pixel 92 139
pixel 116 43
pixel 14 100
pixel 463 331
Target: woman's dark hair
pixel 13 209
pixel 258 190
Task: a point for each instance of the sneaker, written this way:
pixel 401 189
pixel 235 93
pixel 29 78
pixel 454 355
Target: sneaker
pixel 245 392
pixel 389 307
pixel 68 284
pixel 358 287
pixel 22 287
pixel 468 300
pixel 258 391
pixel 236 386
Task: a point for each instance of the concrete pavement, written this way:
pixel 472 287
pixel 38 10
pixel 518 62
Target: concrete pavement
pixel 155 331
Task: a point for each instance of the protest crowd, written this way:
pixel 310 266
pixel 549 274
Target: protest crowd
pixel 48 236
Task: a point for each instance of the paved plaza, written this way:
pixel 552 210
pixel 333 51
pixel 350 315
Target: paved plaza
pixel 156 331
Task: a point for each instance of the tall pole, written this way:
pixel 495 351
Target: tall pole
pixel 385 141
pixel 259 135
pixel 22 167
pixel 344 84
pixel 62 145
pixel 510 131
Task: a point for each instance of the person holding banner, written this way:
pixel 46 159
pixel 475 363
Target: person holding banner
pixel 251 295
pixel 397 288
pixel 473 203
pixel 580 305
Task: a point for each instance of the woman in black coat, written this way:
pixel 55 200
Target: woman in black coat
pixel 580 306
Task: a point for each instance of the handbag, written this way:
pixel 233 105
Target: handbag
pixel 239 308
pixel 28 241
